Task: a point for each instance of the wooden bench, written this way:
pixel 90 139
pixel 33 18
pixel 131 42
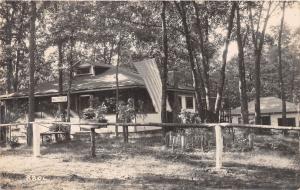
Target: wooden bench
pixel 50 134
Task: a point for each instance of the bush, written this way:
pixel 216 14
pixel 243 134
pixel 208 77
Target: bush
pixel 126 111
pixel 95 113
pixel 88 113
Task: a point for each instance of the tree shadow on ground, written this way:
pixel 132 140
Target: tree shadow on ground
pixel 232 179
pixel 276 176
pixel 22 150
pixel 112 148
pixel 72 177
pixel 234 176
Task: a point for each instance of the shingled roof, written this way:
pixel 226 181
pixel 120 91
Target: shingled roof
pixel 105 80
pixel 268 105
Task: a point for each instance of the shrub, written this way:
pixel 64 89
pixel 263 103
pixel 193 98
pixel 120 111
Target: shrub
pixel 88 113
pixel 95 113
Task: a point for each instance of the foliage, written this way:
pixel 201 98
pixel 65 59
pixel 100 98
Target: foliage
pixel 17 112
pixel 189 117
pixel 13 142
pixel 88 113
pixel 126 111
pixel 100 111
pixel 95 113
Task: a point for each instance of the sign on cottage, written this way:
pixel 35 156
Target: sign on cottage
pixel 59 99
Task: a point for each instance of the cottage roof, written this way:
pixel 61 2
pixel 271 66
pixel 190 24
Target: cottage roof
pixel 105 80
pixel 268 105
pixel 150 72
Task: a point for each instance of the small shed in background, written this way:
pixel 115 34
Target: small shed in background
pixel 271 112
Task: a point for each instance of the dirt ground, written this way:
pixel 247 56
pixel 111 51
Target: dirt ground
pixel 142 164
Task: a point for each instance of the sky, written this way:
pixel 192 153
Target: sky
pixel 292 20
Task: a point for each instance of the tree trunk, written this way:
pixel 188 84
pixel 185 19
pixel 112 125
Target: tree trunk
pixel 181 9
pixel 257 53
pixel 111 52
pixel 164 72
pixel 8 49
pixel 117 85
pixel 281 81
pixel 19 55
pixel 242 77
pixel 204 60
pixel 241 64
pixel 9 62
pixel 60 78
pixel 224 61
pixel 16 78
pixel 105 53
pixel 70 79
pixel 32 47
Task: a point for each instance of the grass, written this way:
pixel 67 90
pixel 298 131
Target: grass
pixel 142 164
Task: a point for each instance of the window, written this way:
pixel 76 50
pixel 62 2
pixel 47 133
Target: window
pixel 189 102
pixel 179 103
pixel 265 120
pixel 82 71
pixel 289 122
pixel 100 70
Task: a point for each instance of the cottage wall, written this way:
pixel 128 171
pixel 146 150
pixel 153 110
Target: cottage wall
pixel 274 118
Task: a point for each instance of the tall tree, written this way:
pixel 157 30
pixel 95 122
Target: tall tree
pixel 70 80
pixel 164 68
pixel 242 76
pixel 196 75
pixel 60 77
pixel 258 42
pixel 281 83
pixel 224 60
pixel 8 11
pixel 117 84
pixel 32 45
pixel 205 58
pixel 20 29
pixel 241 64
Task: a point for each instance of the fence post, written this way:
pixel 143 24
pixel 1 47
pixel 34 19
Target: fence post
pixel 182 139
pixel 127 134
pixel 219 146
pixel 36 140
pixel 124 133
pixel 251 138
pixel 93 147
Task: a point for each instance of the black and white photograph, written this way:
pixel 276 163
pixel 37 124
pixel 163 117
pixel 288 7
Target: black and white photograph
pixel 154 95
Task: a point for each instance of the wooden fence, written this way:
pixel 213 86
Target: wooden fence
pixel 92 126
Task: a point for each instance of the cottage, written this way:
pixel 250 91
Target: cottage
pixel 96 83
pixel 271 112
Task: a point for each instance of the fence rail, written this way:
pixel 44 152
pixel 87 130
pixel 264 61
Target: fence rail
pixel 12 124
pixel 179 125
pixel 92 126
pixel 174 125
